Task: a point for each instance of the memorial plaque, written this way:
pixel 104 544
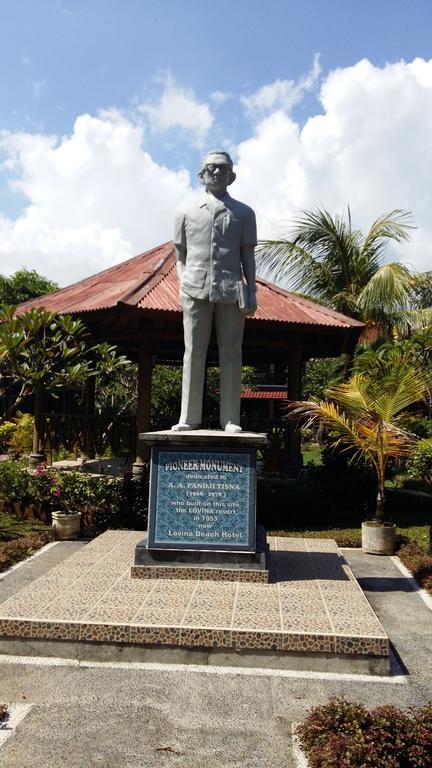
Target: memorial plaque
pixel 202 499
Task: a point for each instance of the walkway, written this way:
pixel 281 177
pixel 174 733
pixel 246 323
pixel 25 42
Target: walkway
pixel 121 715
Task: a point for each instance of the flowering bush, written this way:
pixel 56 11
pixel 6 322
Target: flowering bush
pixel 103 502
pixel 343 734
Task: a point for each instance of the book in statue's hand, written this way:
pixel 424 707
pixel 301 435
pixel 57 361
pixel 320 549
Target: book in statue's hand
pixel 243 296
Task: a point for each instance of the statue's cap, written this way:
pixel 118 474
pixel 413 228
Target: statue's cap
pixel 216 156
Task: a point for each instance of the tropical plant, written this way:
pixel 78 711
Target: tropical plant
pixel 41 352
pixel 326 258
pixel 364 416
pixel 381 358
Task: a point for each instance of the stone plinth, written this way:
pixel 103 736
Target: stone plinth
pixel 202 507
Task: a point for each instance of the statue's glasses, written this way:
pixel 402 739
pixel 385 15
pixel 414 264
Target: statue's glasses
pixel 212 167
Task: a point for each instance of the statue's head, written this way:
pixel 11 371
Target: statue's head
pixel 217 170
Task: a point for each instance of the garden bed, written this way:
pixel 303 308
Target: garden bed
pixel 20 539
pixel 343 734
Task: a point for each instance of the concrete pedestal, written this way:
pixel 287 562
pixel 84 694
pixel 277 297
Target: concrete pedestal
pixel 202 508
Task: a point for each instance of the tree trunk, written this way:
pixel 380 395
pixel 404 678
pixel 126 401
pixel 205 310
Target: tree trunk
pixel 380 508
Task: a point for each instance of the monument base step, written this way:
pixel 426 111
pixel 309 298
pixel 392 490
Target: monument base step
pixel 312 611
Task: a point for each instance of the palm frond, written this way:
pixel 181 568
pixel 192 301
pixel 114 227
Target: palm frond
pixel 390 290
pixel 395 225
pixel 411 320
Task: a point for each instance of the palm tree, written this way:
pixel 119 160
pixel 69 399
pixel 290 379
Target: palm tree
pixel 327 259
pixel 364 416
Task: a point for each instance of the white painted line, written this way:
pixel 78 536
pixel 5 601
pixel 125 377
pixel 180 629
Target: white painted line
pixel 425 596
pixel 299 756
pixel 17 713
pixel 201 669
pixel 27 559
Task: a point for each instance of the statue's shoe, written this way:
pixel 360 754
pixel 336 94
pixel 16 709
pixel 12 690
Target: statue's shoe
pixel 183 427
pixel 233 429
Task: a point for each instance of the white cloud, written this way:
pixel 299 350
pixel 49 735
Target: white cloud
pixel 220 97
pixel 95 198
pixel 282 94
pixel 38 87
pixel 371 147
pixel 179 108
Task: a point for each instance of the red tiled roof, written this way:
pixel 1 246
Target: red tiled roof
pixel 256 394
pixel 149 281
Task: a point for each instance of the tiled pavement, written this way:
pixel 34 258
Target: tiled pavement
pixel 312 604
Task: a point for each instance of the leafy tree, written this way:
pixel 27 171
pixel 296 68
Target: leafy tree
pixel 319 374
pixel 365 417
pixel 116 392
pixel 326 258
pixel 23 285
pixel 44 352
pixel 423 291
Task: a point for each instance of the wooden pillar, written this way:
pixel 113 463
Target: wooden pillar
pixel 89 411
pixel 293 448
pixel 37 456
pixel 143 405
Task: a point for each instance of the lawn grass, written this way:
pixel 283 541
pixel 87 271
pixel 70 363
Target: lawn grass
pixel 13 528
pixel 311 454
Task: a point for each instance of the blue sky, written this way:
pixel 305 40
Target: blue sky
pixel 102 98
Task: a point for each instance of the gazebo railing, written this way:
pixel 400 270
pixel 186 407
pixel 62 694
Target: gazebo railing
pixel 90 434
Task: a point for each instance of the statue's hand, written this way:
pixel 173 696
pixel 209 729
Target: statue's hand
pixel 180 269
pixel 252 307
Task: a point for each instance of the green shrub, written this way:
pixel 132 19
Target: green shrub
pixel 420 425
pixel 420 462
pixel 342 734
pixel 7 430
pixel 21 441
pixel 15 481
pixel 12 552
pixel 418 562
pixel 322 495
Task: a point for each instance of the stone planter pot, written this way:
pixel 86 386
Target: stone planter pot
pixel 378 539
pixel 66 524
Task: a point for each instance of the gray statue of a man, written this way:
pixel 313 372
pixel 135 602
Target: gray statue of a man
pixel 215 240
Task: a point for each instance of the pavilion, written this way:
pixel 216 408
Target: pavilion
pixel 135 305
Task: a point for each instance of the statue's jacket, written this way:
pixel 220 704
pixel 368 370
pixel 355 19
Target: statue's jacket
pixel 211 234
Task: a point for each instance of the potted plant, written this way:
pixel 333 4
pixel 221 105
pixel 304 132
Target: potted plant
pixel 66 520
pixel 364 416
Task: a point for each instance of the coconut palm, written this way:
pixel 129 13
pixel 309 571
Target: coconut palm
pixel 365 415
pixel 327 259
